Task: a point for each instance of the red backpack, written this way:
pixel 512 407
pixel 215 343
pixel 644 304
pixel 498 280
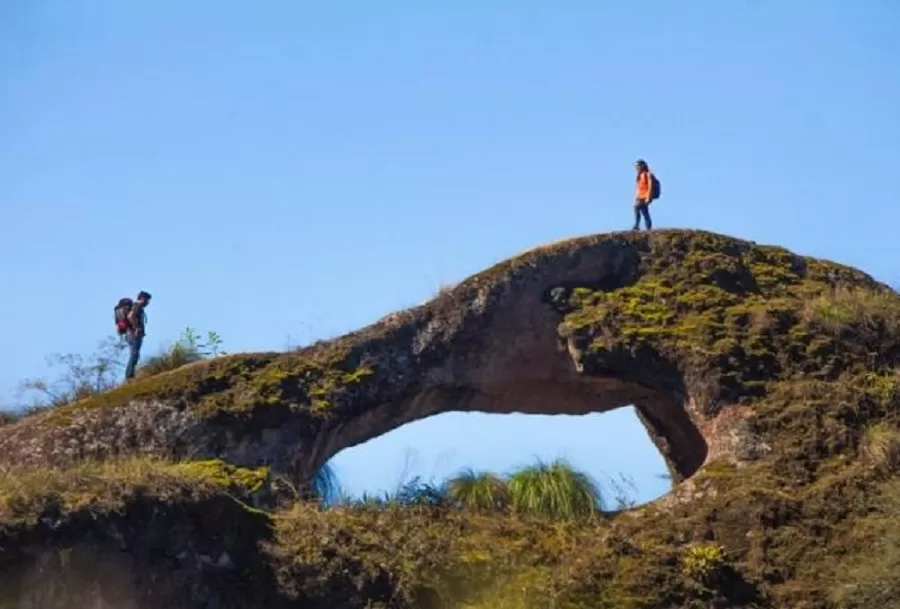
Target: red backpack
pixel 121 311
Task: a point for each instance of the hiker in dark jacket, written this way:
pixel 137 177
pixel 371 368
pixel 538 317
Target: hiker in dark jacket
pixel 134 335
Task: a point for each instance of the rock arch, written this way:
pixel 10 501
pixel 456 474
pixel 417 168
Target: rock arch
pixel 586 325
pixel 779 363
pixel 518 363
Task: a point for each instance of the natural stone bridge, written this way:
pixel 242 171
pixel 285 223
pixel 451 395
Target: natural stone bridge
pixel 587 325
pixel 768 378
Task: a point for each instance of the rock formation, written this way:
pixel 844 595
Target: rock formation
pixel 755 371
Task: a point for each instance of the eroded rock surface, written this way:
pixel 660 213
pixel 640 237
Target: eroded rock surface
pixel 665 322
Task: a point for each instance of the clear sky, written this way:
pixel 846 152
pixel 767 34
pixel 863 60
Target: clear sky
pixel 286 171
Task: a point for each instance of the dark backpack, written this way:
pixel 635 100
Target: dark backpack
pixel 655 187
pixel 121 311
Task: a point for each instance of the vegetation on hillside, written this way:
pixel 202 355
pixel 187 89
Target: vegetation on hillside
pixel 78 376
pixel 809 349
pixel 554 490
pixel 868 576
pixel 102 486
pixel 189 348
pixel 356 553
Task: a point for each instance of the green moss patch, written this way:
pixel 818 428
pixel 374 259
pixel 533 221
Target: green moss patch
pixel 235 384
pixel 105 486
pixel 748 314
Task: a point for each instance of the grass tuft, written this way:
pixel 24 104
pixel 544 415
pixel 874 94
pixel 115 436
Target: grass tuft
pixel 881 447
pixel 555 490
pixel 479 491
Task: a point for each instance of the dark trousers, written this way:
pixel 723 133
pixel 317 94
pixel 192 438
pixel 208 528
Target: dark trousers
pixel 642 209
pixel 134 353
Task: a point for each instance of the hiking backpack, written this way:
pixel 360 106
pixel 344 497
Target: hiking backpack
pixel 121 311
pixel 654 187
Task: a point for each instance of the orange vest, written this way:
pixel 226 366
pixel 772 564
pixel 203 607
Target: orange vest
pixel 643 185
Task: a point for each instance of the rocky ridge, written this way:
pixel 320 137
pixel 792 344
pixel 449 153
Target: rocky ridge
pixel 757 372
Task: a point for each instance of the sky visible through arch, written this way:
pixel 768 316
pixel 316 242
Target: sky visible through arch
pixel 291 171
pixel 612 446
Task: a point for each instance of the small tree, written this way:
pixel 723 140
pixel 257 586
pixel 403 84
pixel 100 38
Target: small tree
pixel 81 377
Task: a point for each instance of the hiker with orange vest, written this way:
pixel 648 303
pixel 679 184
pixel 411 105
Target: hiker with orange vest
pixel 646 191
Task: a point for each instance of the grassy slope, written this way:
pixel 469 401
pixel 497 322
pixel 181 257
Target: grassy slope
pixel 816 364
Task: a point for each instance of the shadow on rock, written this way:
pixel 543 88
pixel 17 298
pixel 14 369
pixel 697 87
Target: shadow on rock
pixel 177 555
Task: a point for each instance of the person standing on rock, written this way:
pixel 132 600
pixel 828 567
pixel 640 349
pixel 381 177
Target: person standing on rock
pixel 131 321
pixel 646 190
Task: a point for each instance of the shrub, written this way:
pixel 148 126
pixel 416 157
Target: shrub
pixel 82 376
pixel 555 490
pixel 472 490
pixel 415 492
pixel 8 416
pixel 868 578
pixel 881 447
pixel 842 308
pixel 85 375
pixel 702 561
pixel 419 492
pixel 187 349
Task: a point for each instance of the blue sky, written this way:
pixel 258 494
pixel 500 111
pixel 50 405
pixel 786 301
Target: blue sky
pixel 295 171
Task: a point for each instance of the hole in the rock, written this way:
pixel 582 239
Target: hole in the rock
pixel 614 448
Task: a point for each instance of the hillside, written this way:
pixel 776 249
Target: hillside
pixel 767 380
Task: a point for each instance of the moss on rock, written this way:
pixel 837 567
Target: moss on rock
pixel 241 383
pixel 805 350
pixel 25 496
pixel 747 314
